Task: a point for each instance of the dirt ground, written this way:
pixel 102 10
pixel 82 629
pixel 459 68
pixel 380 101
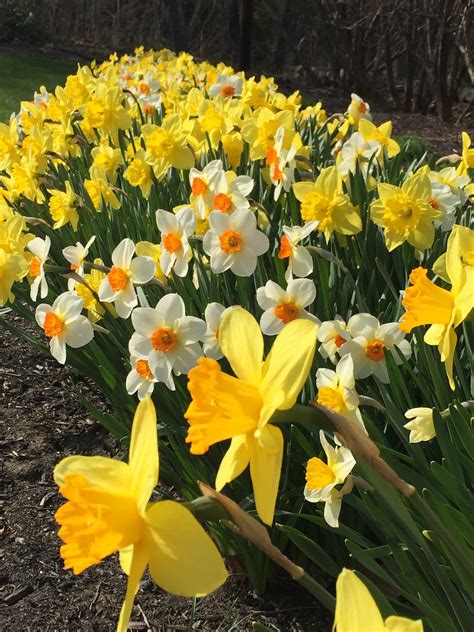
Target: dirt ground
pixel 42 422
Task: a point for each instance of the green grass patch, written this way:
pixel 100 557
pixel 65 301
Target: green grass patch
pixel 22 74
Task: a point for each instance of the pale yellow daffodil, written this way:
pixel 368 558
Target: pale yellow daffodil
pixel 108 511
pixel 381 134
pixel 356 610
pixel 239 408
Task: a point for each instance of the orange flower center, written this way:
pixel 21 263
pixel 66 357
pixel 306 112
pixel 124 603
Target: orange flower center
pixel 142 368
pixel 118 279
pixel 434 203
pixel 172 242
pixel 339 341
pixel 231 241
pixel 277 173
pixel 198 186
pixel 286 312
pixel 285 248
pixel 222 202
pixel 375 351
pixel 53 325
pixel 148 109
pixel 35 267
pixel 144 88
pixel 227 91
pixel 74 266
pixel 271 155
pixel 164 339
pixel 362 108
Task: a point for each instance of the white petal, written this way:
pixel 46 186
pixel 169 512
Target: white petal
pixel 303 291
pixel 123 253
pixel 270 324
pixel 363 325
pixel 79 332
pixel 57 347
pixel 191 329
pixel 145 320
pixel 41 312
pixel 172 308
pixel 142 269
pixel 166 222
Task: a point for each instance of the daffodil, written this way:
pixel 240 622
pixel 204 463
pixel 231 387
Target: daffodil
pixel 325 202
pixel 421 426
pixel 108 510
pixel 428 304
pixel 166 146
pixel 356 610
pixel 406 213
pixel 240 408
pixel 358 109
pixel 467 161
pixel 62 207
pixel 382 134
pixel 322 479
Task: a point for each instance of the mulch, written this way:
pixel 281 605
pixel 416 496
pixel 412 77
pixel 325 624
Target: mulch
pixel 42 421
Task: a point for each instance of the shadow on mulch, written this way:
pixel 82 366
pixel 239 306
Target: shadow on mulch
pixel 42 422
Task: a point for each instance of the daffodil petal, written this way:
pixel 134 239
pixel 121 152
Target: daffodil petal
pixel 289 361
pixel 241 342
pixel 136 570
pixel 125 558
pixel 99 471
pixel 356 610
pixel 265 469
pixel 234 462
pixel 402 624
pixel 143 458
pixel 183 558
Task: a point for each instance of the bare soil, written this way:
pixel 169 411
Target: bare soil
pixel 42 421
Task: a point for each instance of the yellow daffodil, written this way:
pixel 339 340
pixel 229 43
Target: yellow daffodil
pixel 62 207
pixel 138 173
pixel 406 213
pixel 356 610
pixel 108 511
pixel 381 134
pixel 166 146
pixel 239 408
pixel 325 202
pixel 467 161
pixel 429 304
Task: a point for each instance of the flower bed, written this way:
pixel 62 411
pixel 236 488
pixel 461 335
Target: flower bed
pixel 260 272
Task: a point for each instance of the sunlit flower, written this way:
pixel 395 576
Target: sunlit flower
pixel 325 202
pixel 108 511
pixel 227 86
pixel 421 426
pixel 336 390
pixel 322 479
pixel 139 173
pixel 282 306
pixel 13 267
pixel 356 610
pixel 202 187
pixel 89 293
pixel 167 338
pixel 428 304
pixel 63 324
pixel 358 109
pixel 140 380
pixel 467 161
pixel 175 249
pixel 332 335
pixel 62 207
pixel 300 261
pixel 166 146
pixel 233 242
pixel 230 193
pixel 240 408
pixel 76 255
pixel 213 315
pixel 39 248
pixel 369 343
pixel 118 286
pixel 381 134
pixel 357 152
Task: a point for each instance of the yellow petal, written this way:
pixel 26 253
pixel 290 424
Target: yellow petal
pixel 265 469
pixel 356 610
pixel 183 558
pixel 234 462
pixel 329 182
pixel 301 189
pixel 402 624
pixel 137 568
pixel 99 471
pixel 143 456
pixel 125 558
pixel 241 342
pixel 289 361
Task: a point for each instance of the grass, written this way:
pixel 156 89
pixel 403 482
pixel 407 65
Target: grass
pixel 22 74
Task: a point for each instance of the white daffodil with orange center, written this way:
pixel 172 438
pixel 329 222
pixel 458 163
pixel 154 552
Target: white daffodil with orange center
pixel 325 202
pixel 118 286
pixel 202 190
pixel 300 262
pixel 358 109
pixel 175 249
pixel 336 390
pixel 233 242
pixel 39 248
pixel 63 324
pixel 227 86
pixel 75 255
pixel 332 335
pixel 356 610
pixel 240 408
pixel 283 306
pixel 322 479
pixel 429 304
pixel 167 338
pixel 231 191
pixel 108 511
pixel 140 380
pixel 281 163
pixel 370 341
